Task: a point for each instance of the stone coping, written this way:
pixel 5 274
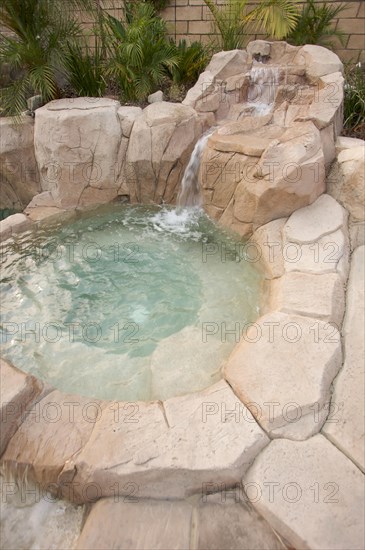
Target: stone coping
pixel 275 396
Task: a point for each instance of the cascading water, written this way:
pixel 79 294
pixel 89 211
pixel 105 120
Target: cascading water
pixel 262 90
pixel 190 190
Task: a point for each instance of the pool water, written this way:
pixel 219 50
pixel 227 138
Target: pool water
pixel 126 302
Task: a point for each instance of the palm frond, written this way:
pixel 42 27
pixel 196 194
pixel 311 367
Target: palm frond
pixel 315 25
pixel 276 17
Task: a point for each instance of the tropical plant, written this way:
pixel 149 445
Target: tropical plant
pixel 191 61
pixel 354 102
pixel 315 25
pixel 159 4
pixel 232 21
pixel 140 55
pixel 35 47
pixel 85 68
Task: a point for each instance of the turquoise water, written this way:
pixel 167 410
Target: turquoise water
pixel 126 302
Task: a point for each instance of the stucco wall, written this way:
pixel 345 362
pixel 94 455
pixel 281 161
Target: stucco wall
pixel 191 19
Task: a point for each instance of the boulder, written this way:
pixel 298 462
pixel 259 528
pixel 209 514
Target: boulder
pixel 42 206
pixel 310 492
pixel 127 116
pixel 16 223
pixel 281 391
pixel 346 182
pixel 210 89
pixel 311 223
pixel 77 147
pixel 319 61
pixel 227 521
pixel 343 142
pixel 55 430
pixel 315 239
pixel 170 450
pixel 18 392
pixel 226 64
pixel 345 426
pixel 156 97
pixel 19 175
pixel 253 172
pixel 320 296
pixel 260 48
pixel 160 145
pixel 269 240
pixel 289 175
pixel 116 523
pixel 326 108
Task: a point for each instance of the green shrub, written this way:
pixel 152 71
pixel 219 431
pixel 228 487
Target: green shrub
pixel 354 102
pixel 159 4
pixel 140 55
pixel 85 68
pixel 315 25
pixel 191 61
pixel 35 49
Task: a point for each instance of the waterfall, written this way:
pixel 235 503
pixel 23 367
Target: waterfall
pixel 189 194
pixel 262 89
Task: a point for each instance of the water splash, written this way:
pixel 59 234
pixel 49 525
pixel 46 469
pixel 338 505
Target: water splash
pixel 262 90
pixel 180 221
pixel 190 189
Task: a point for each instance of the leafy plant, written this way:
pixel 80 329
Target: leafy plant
pixel 191 61
pixel 232 21
pixel 159 4
pixel 85 68
pixel 354 101
pixel 35 49
pixel 315 25
pixel 140 53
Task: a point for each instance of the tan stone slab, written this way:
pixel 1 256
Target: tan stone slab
pixel 203 87
pixel 309 492
pixel 346 182
pixel 127 116
pixel 18 391
pixel 283 368
pixel 327 255
pixel 164 112
pixel 312 222
pixel 268 239
pixel 347 430
pixel 172 449
pixel 77 143
pixel 246 144
pixel 226 521
pixel 318 296
pixel 319 61
pixel 328 101
pixel 142 525
pixel 55 430
pixel 209 103
pixel 80 103
pixel 39 213
pixel 228 63
pixel 19 175
pixel 344 142
pixel 16 223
